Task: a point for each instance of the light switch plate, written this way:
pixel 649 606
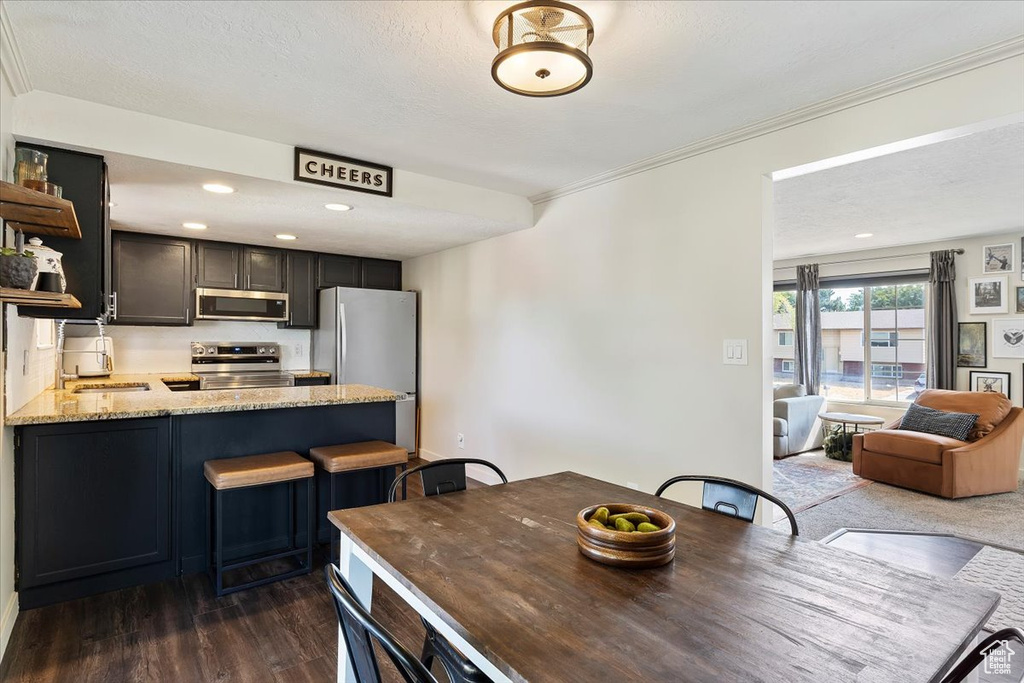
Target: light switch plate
pixel 734 352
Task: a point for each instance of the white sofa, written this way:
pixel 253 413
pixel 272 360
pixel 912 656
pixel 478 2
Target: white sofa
pixel 796 427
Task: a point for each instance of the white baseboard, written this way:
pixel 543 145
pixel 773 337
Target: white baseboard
pixel 478 472
pixel 7 621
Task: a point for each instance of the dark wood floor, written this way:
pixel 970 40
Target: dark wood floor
pixel 178 631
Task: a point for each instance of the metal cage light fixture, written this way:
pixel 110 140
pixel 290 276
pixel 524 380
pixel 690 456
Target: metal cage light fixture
pixel 543 48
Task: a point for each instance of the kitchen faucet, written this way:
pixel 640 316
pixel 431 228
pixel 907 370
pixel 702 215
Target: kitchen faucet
pixel 59 376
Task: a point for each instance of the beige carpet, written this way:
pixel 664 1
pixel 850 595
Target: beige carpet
pixel 1003 572
pixel 997 519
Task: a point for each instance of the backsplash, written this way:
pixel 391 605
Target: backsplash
pixel 166 349
pixel 29 369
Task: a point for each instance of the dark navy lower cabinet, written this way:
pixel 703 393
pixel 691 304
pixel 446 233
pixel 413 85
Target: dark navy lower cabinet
pixel 94 507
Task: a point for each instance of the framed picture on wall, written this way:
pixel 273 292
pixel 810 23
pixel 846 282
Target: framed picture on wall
pixel 988 294
pixel 972 345
pixel 990 382
pixel 1020 299
pixel 998 258
pixel 1008 338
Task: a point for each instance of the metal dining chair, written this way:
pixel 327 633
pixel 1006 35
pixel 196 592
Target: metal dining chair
pixel 731 497
pixel 360 630
pixel 442 476
pixel 976 656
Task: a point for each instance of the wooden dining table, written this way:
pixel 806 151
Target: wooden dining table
pixel 497 571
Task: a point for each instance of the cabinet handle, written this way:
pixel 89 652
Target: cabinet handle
pixel 113 306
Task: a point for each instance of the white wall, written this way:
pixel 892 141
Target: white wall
pixel 166 349
pixel 592 341
pixel 8 598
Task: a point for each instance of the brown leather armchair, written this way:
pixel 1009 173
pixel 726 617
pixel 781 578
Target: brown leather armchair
pixel 988 463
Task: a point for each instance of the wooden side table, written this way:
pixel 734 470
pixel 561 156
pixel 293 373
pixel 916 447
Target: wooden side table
pixel 844 419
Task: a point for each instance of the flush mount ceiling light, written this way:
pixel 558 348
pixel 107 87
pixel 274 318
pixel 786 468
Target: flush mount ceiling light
pixel 285 237
pixel 338 207
pixel 863 235
pixel 194 226
pixel 542 48
pixel 218 188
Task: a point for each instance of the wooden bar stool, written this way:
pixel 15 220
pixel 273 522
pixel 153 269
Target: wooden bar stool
pixel 357 457
pixel 247 472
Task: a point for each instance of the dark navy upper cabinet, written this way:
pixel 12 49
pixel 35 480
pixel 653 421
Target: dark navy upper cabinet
pixel 300 275
pixel 263 269
pixel 380 274
pixel 86 262
pixel 218 265
pixel 152 279
pixel 338 271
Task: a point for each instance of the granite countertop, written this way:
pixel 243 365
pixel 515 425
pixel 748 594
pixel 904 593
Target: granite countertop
pixel 54 406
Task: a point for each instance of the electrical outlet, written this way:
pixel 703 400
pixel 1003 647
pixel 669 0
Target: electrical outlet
pixel 461 440
pixel 298 349
pixel 633 485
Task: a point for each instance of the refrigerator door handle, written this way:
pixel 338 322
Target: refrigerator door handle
pixel 341 344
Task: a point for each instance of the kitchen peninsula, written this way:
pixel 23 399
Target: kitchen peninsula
pixel 109 484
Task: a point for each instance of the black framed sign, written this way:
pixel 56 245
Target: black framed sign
pixel 321 168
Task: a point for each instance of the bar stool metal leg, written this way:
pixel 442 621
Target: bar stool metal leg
pixel 310 523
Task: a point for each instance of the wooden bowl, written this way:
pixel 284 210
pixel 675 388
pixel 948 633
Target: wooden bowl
pixel 625 549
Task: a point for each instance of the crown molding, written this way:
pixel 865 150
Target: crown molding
pixel 967 61
pixel 12 66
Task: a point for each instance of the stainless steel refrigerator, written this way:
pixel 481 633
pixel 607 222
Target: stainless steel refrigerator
pixel 368 336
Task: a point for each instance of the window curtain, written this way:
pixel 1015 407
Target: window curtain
pixel 942 321
pixel 807 357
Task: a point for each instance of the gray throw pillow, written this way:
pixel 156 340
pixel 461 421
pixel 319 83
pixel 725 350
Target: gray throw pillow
pixel 931 421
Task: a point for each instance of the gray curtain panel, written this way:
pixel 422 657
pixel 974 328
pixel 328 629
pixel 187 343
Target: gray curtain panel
pixel 807 356
pixel 942 321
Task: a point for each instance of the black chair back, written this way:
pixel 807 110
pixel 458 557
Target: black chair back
pixel 732 498
pixel 442 476
pixel 360 630
pixel 976 656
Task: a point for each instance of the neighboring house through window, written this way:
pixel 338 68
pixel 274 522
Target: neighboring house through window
pixel 872 338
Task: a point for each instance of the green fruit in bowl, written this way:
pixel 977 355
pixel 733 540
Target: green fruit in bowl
pixel 623 524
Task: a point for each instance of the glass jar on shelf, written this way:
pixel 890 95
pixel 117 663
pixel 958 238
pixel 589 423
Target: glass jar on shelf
pixel 30 168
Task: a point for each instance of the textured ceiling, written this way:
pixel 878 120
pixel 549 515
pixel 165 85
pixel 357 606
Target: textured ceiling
pixel 408 83
pixel 156 196
pixel 972 185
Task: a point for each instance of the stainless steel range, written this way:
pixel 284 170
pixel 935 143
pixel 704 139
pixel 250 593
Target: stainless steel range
pixel 239 365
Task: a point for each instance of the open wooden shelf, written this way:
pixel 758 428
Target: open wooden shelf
pixel 37 212
pixel 28 297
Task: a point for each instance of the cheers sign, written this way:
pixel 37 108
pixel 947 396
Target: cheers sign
pixel 335 171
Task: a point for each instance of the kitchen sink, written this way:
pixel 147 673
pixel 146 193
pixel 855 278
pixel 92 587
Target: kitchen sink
pixel 105 389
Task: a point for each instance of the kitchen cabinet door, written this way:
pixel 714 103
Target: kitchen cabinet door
pixel 218 265
pixel 86 262
pixel 338 271
pixel 301 288
pixel 152 280
pixel 263 269
pixel 93 498
pixel 380 274
pixel 312 381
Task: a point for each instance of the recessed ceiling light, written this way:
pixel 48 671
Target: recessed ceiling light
pixel 112 204
pixel 862 235
pixel 194 226
pixel 285 237
pixel 338 207
pixel 218 188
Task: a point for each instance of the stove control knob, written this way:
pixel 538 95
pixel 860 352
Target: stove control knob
pixel 198 350
pixel 261 350
pixel 211 349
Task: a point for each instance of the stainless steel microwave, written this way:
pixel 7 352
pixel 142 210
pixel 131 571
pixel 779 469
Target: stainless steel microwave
pixel 236 304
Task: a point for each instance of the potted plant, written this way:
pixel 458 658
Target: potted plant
pixel 16 270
